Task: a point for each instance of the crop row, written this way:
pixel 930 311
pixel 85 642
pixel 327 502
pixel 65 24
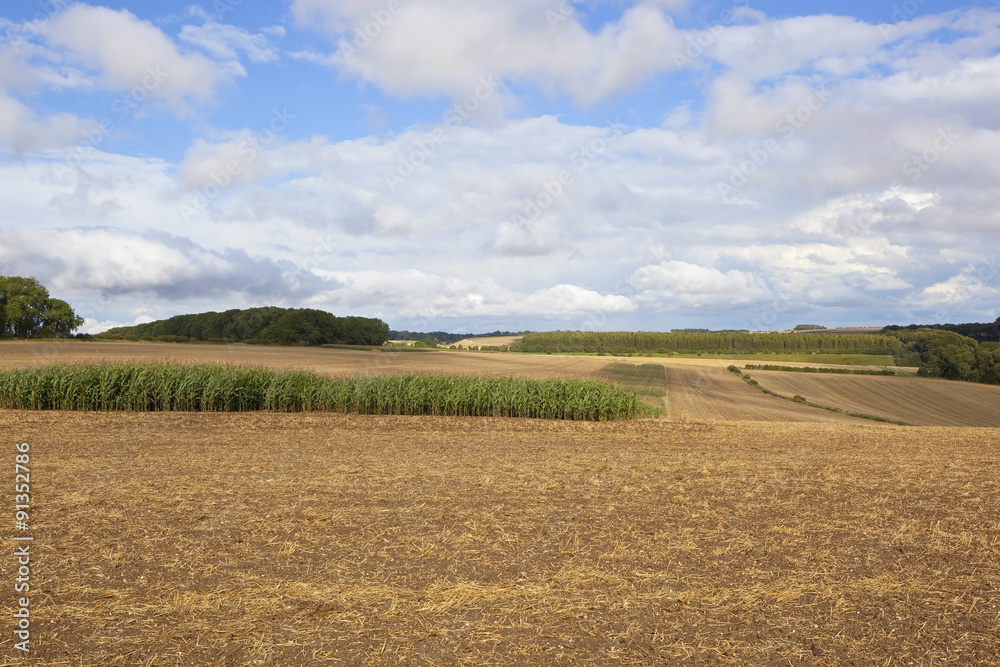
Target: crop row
pixel 155 388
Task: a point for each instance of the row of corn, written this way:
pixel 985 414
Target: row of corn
pixel 155 388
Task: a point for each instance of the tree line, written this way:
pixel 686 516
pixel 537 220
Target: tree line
pixel 27 311
pixel 982 333
pixel 686 342
pixel 937 352
pixel 950 355
pixel 259 326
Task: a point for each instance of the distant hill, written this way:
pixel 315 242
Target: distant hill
pixel 259 326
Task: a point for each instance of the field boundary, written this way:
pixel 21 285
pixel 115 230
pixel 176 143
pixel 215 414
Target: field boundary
pixel 813 369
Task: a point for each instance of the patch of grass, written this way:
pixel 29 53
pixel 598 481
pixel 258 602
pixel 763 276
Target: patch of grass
pixel 163 388
pixel 645 379
pixel 648 381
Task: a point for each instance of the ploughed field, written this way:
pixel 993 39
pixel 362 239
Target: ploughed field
pixel 718 395
pixel 920 401
pixel 287 539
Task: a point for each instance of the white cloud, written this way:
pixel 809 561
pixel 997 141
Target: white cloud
pixel 443 46
pixel 856 215
pixel 832 221
pixel 882 281
pixel 836 44
pixel 22 130
pixel 528 239
pixel 956 290
pixel 115 261
pixel 236 161
pixel 133 55
pixel 676 284
pixel 417 294
pixel 225 42
pixel 454 220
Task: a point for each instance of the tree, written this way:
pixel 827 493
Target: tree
pixel 59 320
pixel 944 353
pixel 988 362
pixel 27 311
pixel 265 326
pixel 953 362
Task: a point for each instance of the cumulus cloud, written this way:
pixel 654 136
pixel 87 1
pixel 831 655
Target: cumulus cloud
pixel 526 239
pixel 417 294
pixel 855 215
pixel 138 57
pixel 836 44
pixel 21 129
pixel 443 46
pixel 225 42
pixel 676 284
pixel 974 290
pixel 864 204
pixel 235 161
pixel 113 261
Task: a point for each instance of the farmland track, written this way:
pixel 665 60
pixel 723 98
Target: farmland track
pixel 921 401
pixel 314 539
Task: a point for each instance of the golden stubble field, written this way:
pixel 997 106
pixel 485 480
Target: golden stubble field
pixel 277 539
pixel 301 539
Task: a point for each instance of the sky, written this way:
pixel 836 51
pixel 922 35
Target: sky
pixel 474 165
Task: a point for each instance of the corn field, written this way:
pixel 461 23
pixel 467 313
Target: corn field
pixel 162 388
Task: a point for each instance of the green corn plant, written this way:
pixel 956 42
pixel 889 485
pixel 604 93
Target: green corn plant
pixel 159 388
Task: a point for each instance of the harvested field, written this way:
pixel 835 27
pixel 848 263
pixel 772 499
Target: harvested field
pixel 505 341
pixel 329 539
pixel 329 362
pixel 338 362
pixel 921 401
pixel 696 389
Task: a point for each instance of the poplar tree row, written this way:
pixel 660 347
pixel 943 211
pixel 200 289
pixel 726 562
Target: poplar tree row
pixel 679 342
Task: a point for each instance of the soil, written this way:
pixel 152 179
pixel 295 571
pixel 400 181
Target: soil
pixel 276 539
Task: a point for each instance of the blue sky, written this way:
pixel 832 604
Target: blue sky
pixel 542 164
